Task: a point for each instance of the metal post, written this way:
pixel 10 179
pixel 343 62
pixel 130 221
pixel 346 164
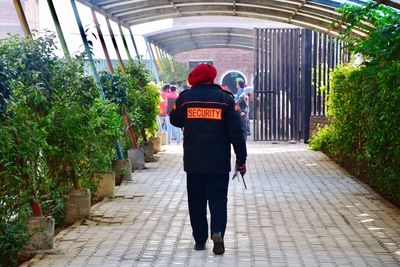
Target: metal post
pixel 121 64
pixel 134 45
pixel 22 18
pixel 124 41
pixel 87 48
pixel 103 43
pixel 58 29
pixel 306 80
pixel 153 60
pixel 111 69
pixel 158 56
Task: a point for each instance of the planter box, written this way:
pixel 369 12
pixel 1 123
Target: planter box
pixel 42 231
pixel 78 205
pixel 163 137
pixel 156 140
pixel 148 149
pixel 136 156
pixel 122 169
pixel 106 185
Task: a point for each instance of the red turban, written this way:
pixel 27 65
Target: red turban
pixel 203 73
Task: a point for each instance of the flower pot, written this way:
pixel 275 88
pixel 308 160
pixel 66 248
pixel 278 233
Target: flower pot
pixel 156 140
pixel 163 137
pixel 136 156
pixel 122 169
pixel 78 205
pixel 148 149
pixel 42 231
pixel 106 185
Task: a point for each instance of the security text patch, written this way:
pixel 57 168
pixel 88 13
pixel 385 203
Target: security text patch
pixel 204 113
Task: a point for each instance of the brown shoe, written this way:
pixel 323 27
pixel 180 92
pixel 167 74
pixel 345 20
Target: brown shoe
pixel 219 247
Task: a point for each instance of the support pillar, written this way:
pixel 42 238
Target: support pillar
pixel 134 46
pixel 121 64
pixel 153 60
pixel 22 18
pixel 87 48
pixel 124 41
pixel 58 29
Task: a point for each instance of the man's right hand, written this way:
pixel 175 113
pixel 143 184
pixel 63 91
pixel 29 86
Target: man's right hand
pixel 241 167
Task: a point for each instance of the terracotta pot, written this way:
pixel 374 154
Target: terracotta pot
pixel 106 185
pixel 136 156
pixel 78 205
pixel 148 149
pixel 122 169
pixel 163 137
pixel 42 231
pixel 156 140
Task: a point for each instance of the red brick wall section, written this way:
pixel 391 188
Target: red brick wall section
pixel 225 59
pixel 317 121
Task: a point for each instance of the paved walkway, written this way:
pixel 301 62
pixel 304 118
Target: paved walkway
pixel 301 209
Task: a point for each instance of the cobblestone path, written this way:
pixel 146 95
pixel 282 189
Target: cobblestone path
pixel 301 209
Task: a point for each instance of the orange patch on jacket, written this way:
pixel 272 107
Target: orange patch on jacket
pixel 204 113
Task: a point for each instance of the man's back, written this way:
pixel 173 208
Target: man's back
pixel 208 116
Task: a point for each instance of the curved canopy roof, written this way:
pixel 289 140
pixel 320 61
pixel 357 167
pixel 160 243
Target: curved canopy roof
pixel 183 39
pixel 209 32
pixel 312 14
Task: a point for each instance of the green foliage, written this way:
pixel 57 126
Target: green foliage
pixel 55 132
pixel 364 102
pixel 383 24
pixel 13 208
pixel 114 87
pixel 364 134
pixel 107 125
pixel 173 71
pixel 139 75
pixel 5 90
pixel 143 109
pixel 141 99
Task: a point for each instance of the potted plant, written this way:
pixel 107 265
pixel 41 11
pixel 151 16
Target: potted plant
pixel 144 107
pixel 24 105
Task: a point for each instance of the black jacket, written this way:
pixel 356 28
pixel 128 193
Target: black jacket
pixel 211 123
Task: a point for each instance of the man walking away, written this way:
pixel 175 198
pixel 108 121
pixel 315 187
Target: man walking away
pixel 211 123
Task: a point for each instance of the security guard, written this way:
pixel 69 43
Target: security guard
pixel 211 123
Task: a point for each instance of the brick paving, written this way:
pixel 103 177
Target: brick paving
pixel 301 209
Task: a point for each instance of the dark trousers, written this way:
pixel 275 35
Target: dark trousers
pixel 214 189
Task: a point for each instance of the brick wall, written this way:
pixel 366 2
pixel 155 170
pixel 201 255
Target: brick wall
pixel 225 59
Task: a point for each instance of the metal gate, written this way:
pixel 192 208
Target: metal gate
pixel 290 66
pixel 277 84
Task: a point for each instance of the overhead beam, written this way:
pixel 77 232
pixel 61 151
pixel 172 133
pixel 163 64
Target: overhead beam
pixel 180 49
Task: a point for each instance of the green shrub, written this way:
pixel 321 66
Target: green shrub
pixel 13 202
pixel 364 134
pixel 55 131
pixel 364 102
pixel 143 109
pixel 383 41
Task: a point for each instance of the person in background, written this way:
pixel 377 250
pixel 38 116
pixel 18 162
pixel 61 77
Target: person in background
pixel 211 122
pixel 163 106
pixel 240 90
pixel 172 131
pixel 243 104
